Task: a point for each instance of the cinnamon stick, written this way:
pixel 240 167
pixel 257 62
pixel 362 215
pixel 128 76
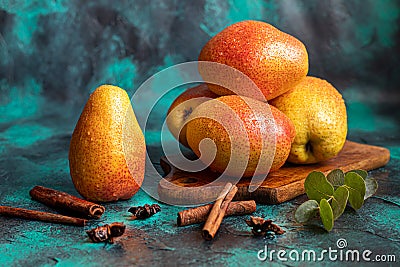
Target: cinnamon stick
pixel 66 203
pixel 40 216
pixel 200 214
pixel 218 210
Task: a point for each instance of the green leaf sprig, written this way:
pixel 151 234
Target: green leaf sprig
pixel 328 196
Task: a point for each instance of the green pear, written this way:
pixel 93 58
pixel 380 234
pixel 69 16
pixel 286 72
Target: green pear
pixel 319 115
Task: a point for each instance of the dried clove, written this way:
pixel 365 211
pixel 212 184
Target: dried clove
pixel 261 227
pixel 106 233
pixel 144 212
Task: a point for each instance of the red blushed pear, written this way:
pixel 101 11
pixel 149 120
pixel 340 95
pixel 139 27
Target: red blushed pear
pixel 274 60
pixel 241 124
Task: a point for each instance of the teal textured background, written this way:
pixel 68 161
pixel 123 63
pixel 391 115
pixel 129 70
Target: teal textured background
pixel 56 52
pixel 53 54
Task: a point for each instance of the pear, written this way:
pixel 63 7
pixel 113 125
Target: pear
pixel 274 60
pixel 243 131
pixel 107 149
pixel 183 106
pixel 318 113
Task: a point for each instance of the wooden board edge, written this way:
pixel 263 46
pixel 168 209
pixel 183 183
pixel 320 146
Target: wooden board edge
pixel 280 195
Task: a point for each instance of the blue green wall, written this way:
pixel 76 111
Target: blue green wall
pixel 57 52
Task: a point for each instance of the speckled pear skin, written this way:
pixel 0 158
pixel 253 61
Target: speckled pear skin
pixel 274 60
pixel 200 128
pixel 106 144
pixel 319 115
pixel 181 112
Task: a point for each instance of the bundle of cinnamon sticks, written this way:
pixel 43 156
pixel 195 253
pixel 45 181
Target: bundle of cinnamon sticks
pixel 213 214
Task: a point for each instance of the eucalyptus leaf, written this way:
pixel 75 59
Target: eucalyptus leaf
pixel 326 214
pixel 356 186
pixel 362 173
pixel 306 211
pixel 329 195
pixel 339 201
pixel 336 178
pixel 317 186
pixel 371 185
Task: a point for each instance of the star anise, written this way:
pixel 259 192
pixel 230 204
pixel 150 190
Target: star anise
pixel 106 232
pixel 143 212
pixel 261 227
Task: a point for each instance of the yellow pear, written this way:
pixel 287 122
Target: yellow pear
pixel 183 106
pixel 318 113
pixel 107 149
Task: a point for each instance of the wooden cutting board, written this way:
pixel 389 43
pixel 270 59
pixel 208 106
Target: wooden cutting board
pixel 179 186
